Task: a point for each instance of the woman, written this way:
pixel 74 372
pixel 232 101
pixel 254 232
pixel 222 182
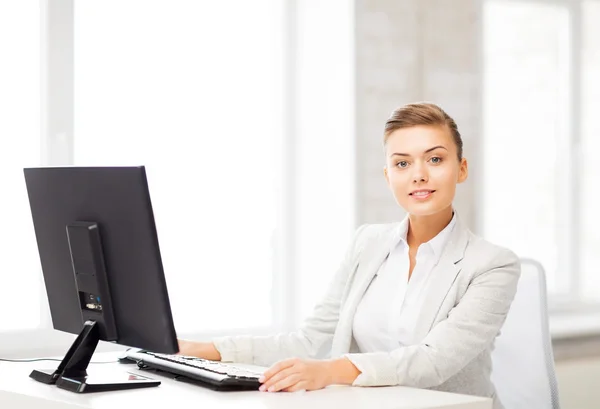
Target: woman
pixel 417 303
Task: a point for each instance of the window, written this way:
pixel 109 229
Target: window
pixel 243 120
pixel 199 103
pixel 540 94
pixel 19 147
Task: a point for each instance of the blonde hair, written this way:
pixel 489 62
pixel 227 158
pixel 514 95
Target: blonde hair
pixel 422 113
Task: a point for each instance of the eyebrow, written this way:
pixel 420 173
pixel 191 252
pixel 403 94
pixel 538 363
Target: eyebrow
pixel 427 151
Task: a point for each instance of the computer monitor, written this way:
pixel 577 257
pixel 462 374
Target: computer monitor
pixel 102 267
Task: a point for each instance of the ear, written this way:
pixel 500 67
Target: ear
pixel 463 172
pixel 385 174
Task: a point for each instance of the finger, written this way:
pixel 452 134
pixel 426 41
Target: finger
pixel 300 386
pixel 285 383
pixel 277 377
pixel 279 366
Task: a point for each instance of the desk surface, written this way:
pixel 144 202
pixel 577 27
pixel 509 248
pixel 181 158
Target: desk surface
pixel 19 391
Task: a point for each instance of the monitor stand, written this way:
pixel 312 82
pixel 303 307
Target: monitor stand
pixel 71 373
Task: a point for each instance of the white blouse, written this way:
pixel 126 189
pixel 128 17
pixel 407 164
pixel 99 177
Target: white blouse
pixel 389 310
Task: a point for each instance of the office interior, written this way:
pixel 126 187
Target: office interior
pixel 260 125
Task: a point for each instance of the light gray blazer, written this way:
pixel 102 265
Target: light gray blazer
pixel 473 287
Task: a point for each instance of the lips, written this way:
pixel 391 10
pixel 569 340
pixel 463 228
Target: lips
pixel 421 193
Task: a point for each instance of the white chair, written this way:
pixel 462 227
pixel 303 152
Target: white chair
pixel 523 362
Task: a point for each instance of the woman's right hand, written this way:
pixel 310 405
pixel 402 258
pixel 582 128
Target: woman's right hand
pixel 205 350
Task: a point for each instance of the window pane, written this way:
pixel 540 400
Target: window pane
pixel 193 91
pixel 19 147
pixel 525 121
pixel 590 128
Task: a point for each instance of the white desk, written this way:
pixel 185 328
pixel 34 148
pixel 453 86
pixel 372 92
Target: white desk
pixel 17 390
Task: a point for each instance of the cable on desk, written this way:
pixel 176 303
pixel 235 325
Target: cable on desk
pixel 51 359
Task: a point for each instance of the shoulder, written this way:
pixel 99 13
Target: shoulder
pixel 482 256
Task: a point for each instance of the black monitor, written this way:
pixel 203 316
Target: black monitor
pixel 102 267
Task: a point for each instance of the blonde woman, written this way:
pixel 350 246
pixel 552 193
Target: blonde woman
pixel 416 303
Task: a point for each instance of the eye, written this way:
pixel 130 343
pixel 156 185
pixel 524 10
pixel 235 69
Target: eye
pixel 435 160
pixel 402 164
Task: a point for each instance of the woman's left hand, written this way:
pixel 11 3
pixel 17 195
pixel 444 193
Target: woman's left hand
pixel 296 374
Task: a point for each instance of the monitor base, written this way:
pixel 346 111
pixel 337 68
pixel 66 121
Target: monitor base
pixel 90 384
pixel 47 376
pixel 71 373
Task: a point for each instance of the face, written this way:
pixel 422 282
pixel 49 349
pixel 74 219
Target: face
pixel 422 168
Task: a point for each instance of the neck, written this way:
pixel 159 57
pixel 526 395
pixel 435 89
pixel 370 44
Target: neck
pixel 421 229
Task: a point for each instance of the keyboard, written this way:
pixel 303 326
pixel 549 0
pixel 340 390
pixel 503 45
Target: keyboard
pixel 217 375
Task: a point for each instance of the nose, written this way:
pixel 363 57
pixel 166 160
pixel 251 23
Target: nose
pixel 420 174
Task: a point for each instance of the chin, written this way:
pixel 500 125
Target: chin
pixel 423 209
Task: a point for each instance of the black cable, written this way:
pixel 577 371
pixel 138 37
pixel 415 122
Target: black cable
pixel 51 359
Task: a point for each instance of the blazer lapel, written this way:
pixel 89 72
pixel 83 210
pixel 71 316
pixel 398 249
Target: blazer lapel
pixel 443 276
pixel 369 263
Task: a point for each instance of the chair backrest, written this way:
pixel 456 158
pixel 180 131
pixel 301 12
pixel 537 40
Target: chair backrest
pixel 523 362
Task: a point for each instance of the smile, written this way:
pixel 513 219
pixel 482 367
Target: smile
pixel 421 194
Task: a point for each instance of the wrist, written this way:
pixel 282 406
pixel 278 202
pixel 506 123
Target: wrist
pixel 212 352
pixel 342 371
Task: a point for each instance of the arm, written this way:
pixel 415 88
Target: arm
pixel 470 328
pixel 205 350
pixel 313 338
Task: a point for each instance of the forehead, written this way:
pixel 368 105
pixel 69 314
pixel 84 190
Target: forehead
pixel 417 139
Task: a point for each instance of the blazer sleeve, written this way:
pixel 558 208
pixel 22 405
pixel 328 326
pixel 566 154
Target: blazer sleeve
pixel 470 328
pixel 312 340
